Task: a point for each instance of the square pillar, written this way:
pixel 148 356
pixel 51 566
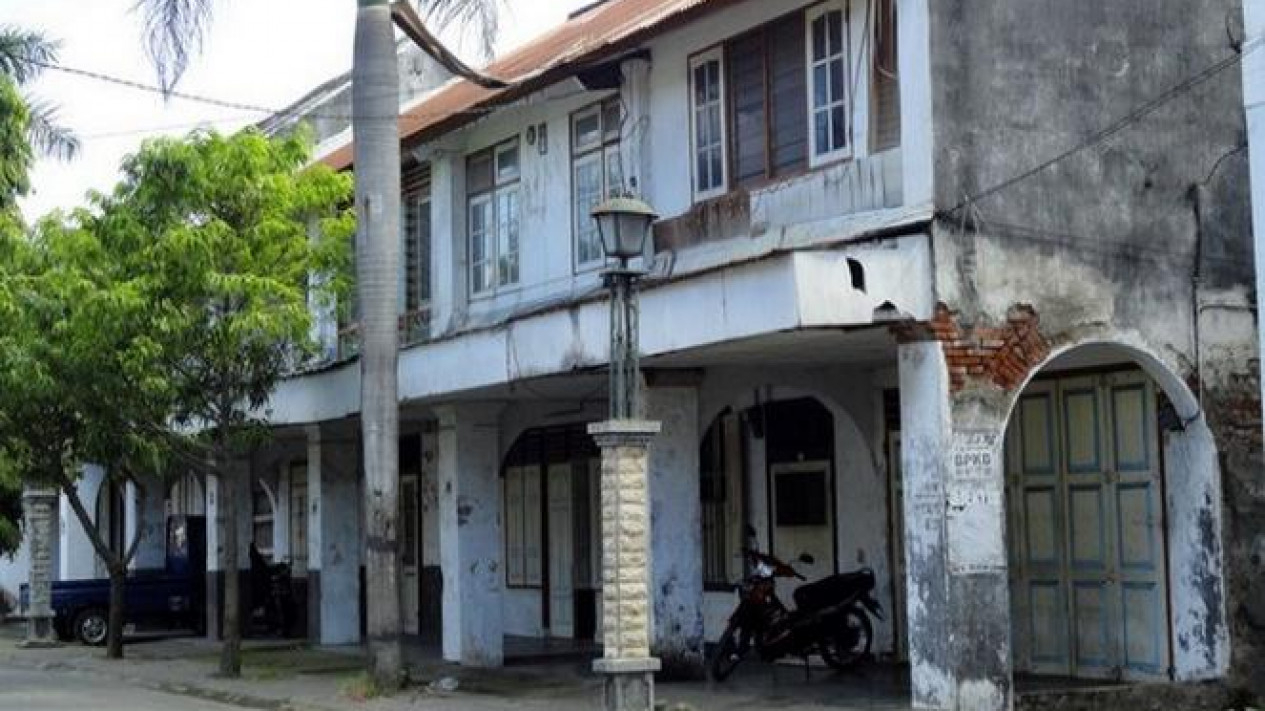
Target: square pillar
pixel 676 532
pixel 333 537
pixel 470 537
pixel 39 508
pixel 627 561
pixel 956 570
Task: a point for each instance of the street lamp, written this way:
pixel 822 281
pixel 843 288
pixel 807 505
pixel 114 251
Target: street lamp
pixel 623 224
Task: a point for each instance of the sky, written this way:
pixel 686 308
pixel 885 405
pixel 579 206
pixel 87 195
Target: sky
pixel 263 53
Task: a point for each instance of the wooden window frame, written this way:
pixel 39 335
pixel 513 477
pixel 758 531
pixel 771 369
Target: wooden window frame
pixel 606 146
pixel 518 574
pixel 879 71
pixel 818 159
pixel 714 54
pixel 504 182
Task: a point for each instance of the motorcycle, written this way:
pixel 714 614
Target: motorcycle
pixel 830 617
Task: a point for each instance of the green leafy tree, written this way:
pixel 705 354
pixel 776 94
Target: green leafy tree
pixel 175 29
pixel 23 57
pixel 77 357
pixel 238 234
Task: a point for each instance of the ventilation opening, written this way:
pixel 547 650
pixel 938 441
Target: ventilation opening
pixel 857 272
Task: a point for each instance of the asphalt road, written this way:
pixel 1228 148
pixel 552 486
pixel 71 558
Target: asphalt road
pixel 22 690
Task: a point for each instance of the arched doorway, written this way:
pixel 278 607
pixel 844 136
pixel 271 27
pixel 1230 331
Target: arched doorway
pixel 1107 461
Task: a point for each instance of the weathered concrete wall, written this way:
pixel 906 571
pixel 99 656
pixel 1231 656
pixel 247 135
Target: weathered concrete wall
pixel 470 534
pixel 1141 238
pixel 334 544
pixel 78 559
pixel 676 531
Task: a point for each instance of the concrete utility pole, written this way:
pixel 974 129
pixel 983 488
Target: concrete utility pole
pixel 39 508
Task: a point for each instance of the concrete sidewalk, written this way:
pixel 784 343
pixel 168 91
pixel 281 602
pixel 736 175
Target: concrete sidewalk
pixel 286 675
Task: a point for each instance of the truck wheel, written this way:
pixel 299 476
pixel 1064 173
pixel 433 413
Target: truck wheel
pixel 92 627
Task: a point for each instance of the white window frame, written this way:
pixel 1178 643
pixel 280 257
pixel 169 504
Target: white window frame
pixel 715 54
pixel 604 150
pixel 504 182
pixel 815 158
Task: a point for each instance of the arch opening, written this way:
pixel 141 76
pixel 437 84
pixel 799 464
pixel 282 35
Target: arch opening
pixel 1113 521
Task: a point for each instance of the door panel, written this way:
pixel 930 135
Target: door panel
pixel 802 521
pixel 410 524
pixel 561 553
pixel 1088 587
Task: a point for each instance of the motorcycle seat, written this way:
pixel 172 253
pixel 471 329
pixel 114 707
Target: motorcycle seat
pixel 833 590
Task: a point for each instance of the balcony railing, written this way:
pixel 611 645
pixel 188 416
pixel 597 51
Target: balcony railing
pixel 414 328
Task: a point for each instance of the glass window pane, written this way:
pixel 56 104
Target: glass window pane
pixel 612 120
pixel 614 173
pixel 834 20
pixel 588 193
pixel 700 83
pixel 713 80
pixel 819 38
pixel 821 95
pixel 479 172
pixel 587 129
pixel 507 162
pixel 836 80
pixel 839 128
pixel 821 131
pixel 716 169
pixel 507 236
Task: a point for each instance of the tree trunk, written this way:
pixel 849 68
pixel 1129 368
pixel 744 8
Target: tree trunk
pixel 375 105
pixel 118 582
pixel 231 650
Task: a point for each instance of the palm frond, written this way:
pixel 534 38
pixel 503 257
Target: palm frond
pixel 46 135
pixel 24 52
pixel 479 17
pixel 174 31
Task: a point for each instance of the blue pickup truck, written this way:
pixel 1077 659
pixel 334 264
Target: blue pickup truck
pixel 172 597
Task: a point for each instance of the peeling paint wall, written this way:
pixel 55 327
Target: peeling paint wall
pixel 470 534
pixel 1141 239
pixel 676 532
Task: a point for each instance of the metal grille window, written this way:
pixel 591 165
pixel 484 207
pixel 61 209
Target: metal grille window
pixel 298 518
pixel 596 173
pixel 721 493
pixel 708 123
pixel 415 238
pixel 492 178
pixel 827 64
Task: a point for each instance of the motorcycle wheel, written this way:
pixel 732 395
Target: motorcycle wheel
pixel 849 642
pixel 728 654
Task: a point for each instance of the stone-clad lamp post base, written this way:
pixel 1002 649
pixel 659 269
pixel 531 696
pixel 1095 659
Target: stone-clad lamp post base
pixel 629 684
pixel 627 603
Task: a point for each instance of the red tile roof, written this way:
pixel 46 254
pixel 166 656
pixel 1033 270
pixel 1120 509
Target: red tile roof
pixel 590 36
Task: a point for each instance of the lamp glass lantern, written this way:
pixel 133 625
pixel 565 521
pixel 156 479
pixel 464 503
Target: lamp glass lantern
pixel 624 224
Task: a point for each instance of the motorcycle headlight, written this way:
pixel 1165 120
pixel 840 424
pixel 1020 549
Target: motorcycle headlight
pixel 764 570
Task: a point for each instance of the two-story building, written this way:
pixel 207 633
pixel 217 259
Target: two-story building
pixel 958 291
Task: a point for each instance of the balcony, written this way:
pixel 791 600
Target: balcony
pixel 414 328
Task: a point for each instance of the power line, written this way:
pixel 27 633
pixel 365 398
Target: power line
pixel 1137 114
pixel 226 103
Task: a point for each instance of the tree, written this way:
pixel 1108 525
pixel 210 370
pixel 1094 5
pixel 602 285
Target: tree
pixel 23 57
pixel 233 230
pixel 174 29
pixel 77 353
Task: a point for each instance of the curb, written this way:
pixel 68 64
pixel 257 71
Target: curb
pixel 242 700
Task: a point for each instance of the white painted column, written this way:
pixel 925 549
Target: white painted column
pixel 151 552
pixel 214 556
pixel 78 557
pixel 334 537
pixel 958 606
pixel 470 536
pixel 676 532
